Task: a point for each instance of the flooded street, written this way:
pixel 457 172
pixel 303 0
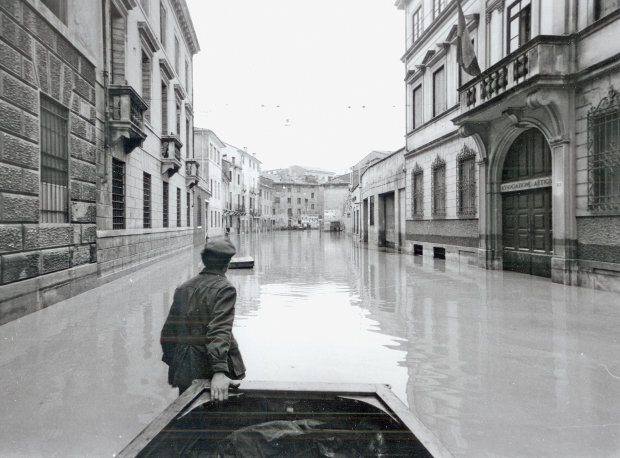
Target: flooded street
pixel 494 363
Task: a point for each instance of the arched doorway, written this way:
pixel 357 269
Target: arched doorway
pixel 527 232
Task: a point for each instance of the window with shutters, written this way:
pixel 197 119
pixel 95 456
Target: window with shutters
pixel 54 200
pixel 188 208
pixel 439 91
pixel 147 77
pixel 416 102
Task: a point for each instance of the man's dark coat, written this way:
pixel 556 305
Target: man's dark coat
pixel 197 337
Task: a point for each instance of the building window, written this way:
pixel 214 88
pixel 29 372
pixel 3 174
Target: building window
pixel 164 109
pixel 166 193
pixel 119 40
pixel 439 91
pixel 177 56
pixel 178 129
pixel 276 200
pixel 146 200
pixel 438 7
pixel 289 212
pixel 604 154
pixel 519 24
pixel 372 210
pixel 418 192
pixel 162 24
pixel 188 129
pixel 466 183
pixel 312 196
pixel 416 102
pixel 58 7
pixel 147 71
pixel 187 75
pixel 54 201
pixel 603 7
pixel 299 200
pixel 438 185
pixel 288 200
pixel 118 194
pixel 188 203
pixel 312 206
pixel 416 24
pixel 178 207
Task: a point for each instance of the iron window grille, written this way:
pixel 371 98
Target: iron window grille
pixel 188 202
pixel 417 199
pixel 466 182
pixel 146 200
pixel 166 195
pixel 199 214
pixel 54 201
pixel 438 187
pixel 178 207
pixel 118 194
pixel 604 154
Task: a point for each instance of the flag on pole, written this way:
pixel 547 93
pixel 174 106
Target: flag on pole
pixel 465 54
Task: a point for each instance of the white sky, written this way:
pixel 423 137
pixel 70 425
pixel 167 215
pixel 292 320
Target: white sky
pixel 314 59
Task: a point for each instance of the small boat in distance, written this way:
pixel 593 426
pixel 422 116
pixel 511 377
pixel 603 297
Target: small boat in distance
pixel 246 262
pixel 287 419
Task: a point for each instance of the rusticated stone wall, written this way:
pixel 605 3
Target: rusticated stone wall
pixel 35 59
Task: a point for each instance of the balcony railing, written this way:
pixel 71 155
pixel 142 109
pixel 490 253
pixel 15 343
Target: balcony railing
pixel 545 57
pixel 126 117
pixel 170 154
pixel 191 172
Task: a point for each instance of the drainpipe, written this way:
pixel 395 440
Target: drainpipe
pixel 106 84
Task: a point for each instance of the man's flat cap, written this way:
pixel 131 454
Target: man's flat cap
pixel 220 248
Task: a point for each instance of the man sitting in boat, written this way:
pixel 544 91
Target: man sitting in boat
pixel 197 338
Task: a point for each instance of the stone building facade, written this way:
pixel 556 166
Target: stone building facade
pixel 147 174
pixel 95 124
pixel 265 194
pixel 516 168
pixel 51 132
pixel 383 201
pixel 294 201
pixel 209 148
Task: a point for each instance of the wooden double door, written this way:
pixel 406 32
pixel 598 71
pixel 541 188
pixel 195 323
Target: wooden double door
pixel 527 230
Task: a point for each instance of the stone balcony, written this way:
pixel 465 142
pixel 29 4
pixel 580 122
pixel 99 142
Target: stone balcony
pixel 170 154
pixel 191 172
pixel 544 61
pixel 126 121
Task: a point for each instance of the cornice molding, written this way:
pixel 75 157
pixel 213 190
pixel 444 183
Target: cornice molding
pixel 187 26
pixel 148 38
pixel 166 69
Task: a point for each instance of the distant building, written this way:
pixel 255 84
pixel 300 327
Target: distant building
pixel 294 202
pixel 516 168
pixel 267 213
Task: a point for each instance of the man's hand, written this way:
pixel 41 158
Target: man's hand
pixel 219 386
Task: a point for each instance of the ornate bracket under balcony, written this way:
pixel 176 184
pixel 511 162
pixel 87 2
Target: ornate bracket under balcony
pixel 191 172
pixel 170 154
pixel 126 121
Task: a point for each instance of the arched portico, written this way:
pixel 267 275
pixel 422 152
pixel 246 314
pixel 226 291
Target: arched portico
pixel 547 111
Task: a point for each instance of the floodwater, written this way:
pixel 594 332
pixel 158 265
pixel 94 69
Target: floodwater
pixel 494 363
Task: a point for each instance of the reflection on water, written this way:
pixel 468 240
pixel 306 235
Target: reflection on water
pixel 495 363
